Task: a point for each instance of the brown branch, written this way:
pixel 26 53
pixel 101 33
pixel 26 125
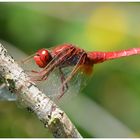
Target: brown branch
pixel 46 110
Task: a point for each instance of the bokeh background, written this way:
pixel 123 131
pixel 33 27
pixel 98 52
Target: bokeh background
pixel 109 106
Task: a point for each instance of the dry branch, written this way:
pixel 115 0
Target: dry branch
pixel 46 110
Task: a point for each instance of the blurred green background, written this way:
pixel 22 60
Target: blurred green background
pixel 109 106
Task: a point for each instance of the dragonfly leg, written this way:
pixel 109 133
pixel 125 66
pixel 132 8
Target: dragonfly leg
pixel 33 71
pixel 65 83
pixel 64 87
pixel 34 75
pixel 63 79
pixel 76 68
pixel 39 76
pixel 38 79
pixel 35 79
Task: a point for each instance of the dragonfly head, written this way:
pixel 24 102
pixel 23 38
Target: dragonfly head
pixel 42 58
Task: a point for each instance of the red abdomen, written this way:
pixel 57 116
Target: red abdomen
pixel 98 57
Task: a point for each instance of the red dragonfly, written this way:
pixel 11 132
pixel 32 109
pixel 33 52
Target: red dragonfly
pixel 70 63
pixel 68 55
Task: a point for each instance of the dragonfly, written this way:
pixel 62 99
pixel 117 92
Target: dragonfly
pixel 70 62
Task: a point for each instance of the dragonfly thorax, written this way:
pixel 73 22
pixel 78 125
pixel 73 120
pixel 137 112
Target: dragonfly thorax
pixel 71 61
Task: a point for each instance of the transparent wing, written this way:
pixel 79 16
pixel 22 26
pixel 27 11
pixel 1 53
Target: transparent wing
pixel 52 86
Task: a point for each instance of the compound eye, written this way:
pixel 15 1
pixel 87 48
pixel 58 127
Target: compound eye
pixel 44 55
pixel 45 52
